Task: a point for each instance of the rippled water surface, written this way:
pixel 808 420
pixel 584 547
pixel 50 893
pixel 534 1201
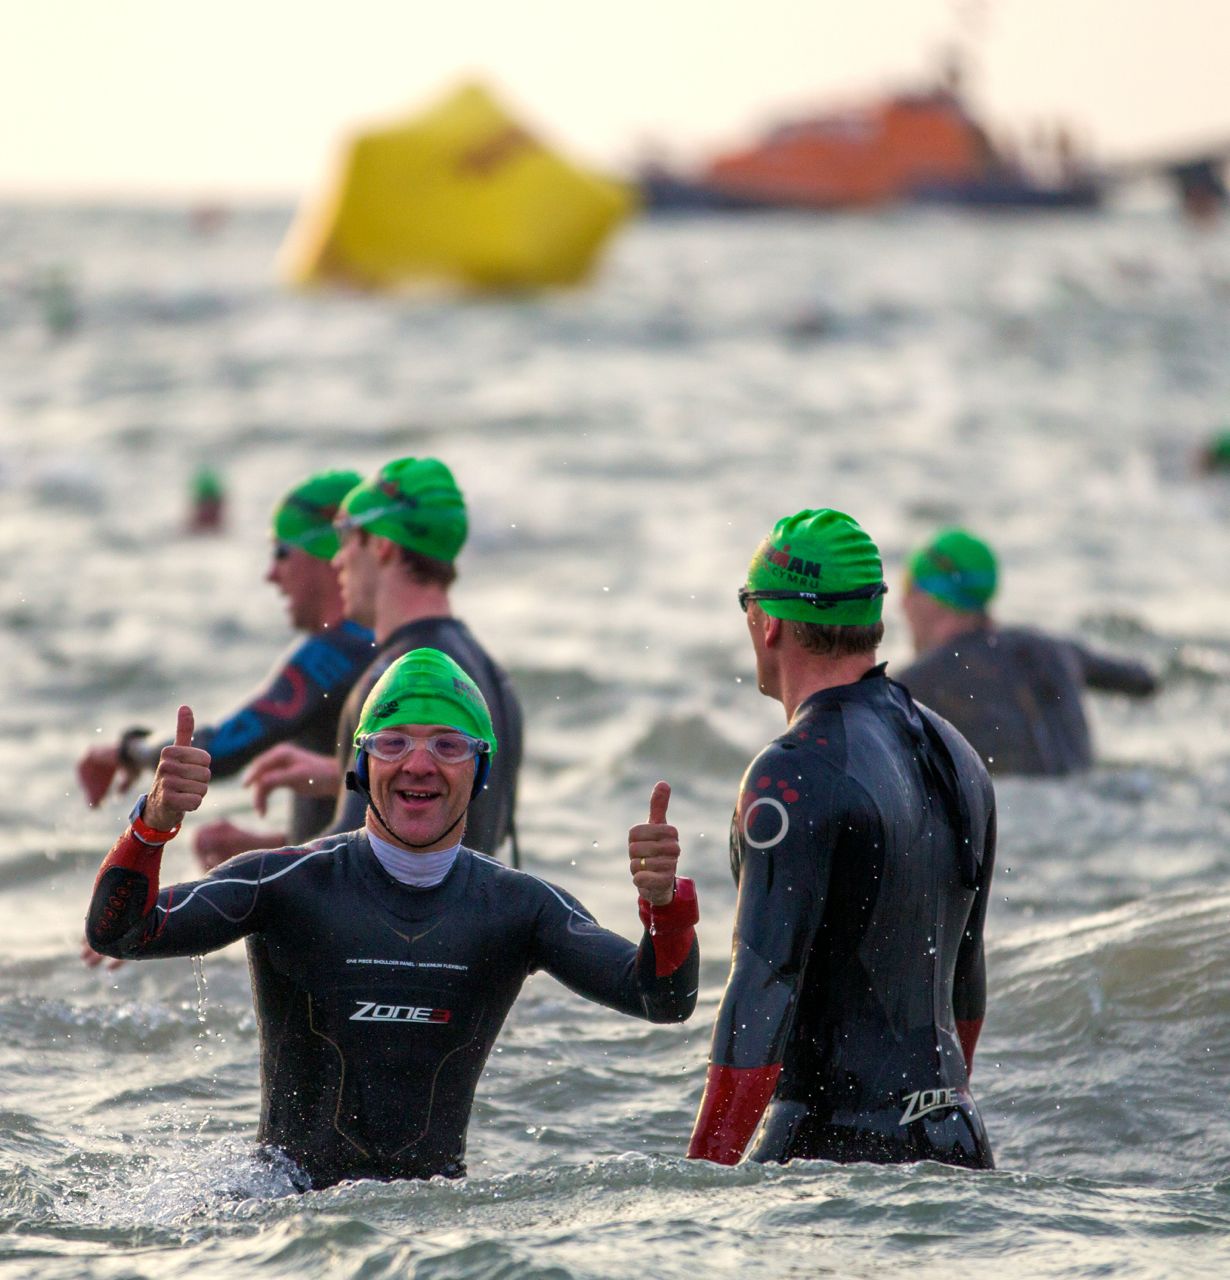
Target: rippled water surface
pixel 622 450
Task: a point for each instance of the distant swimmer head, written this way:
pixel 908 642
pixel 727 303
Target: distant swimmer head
pixel 957 569
pixel 304 517
pixel 414 502
pixel 1215 456
pixel 818 567
pixel 426 687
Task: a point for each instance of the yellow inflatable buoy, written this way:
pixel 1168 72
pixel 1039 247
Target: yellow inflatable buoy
pixel 461 193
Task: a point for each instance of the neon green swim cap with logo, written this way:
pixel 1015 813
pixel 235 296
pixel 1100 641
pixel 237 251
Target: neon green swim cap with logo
pixel 304 518
pixel 426 686
pixel 414 502
pixel 957 569
pixel 827 553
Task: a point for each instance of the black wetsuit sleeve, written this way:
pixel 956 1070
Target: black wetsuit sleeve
pixel 309 682
pixel 130 918
pixel 785 855
pixel 969 984
pixel 1116 675
pixel 659 985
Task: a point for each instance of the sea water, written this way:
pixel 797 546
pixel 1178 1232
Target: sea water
pixel 623 448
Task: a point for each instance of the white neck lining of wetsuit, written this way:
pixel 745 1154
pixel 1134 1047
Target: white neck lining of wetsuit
pixel 421 870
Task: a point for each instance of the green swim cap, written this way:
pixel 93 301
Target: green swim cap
pixel 1217 452
pixel 207 485
pixel 426 686
pixel 826 552
pixel 956 568
pixel 414 502
pixel 304 517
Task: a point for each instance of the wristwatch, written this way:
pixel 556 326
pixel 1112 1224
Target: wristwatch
pixel 143 831
pixel 130 739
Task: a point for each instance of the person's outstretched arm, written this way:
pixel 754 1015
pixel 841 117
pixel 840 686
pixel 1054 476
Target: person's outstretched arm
pixel 1115 675
pixel 130 917
pixel 314 676
pixel 656 980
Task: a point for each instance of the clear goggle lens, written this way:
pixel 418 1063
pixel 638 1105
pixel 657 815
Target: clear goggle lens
pixel 391 746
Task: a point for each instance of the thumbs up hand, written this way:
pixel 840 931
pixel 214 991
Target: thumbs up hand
pixel 181 779
pixel 653 851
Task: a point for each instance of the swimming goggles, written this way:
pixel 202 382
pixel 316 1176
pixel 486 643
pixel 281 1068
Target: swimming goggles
pixel 391 745
pixel 818 599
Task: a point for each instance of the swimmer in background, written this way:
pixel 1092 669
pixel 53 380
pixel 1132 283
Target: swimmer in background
pixel 401 531
pixel 1014 692
pixel 1214 456
pixel 385 960
pixel 863 844
pixel 303 695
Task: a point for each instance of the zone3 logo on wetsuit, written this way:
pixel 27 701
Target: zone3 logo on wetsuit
pixel 922 1101
pixel 370 1011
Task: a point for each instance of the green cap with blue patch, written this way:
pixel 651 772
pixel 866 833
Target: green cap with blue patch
pixel 957 569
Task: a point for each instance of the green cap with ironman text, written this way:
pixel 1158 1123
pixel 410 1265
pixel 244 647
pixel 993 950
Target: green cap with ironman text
pixel 414 502
pixel 957 569
pixel 426 687
pixel 304 518
pixel 824 551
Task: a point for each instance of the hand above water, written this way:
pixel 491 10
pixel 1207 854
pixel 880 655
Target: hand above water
pixel 217 841
pixel 653 851
pixel 307 773
pixel 98 768
pixel 181 779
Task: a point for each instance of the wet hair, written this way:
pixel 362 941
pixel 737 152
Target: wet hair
pixel 427 570
pixel 837 642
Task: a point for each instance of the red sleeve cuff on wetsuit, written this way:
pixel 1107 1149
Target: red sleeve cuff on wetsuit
pixel 670 926
pixel 132 854
pixel 734 1101
pixel 967 1033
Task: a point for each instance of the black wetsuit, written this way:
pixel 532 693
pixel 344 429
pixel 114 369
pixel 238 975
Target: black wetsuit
pixel 378 1004
pixel 1015 694
pixel 300 702
pixel 491 815
pixel 863 846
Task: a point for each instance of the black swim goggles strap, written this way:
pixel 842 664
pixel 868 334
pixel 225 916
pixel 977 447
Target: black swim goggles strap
pixel 817 599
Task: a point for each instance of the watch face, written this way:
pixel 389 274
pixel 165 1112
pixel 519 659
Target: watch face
pixel 138 809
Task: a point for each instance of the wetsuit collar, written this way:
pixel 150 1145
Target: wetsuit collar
pixel 419 870
pixel 872 682
pixel 404 901
pixel 407 630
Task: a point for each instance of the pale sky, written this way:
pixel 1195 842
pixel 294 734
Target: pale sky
pixel 147 97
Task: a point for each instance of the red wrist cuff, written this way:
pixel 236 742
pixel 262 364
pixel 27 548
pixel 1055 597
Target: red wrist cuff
pixel 671 927
pixel 734 1101
pixel 151 835
pixel 967 1033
